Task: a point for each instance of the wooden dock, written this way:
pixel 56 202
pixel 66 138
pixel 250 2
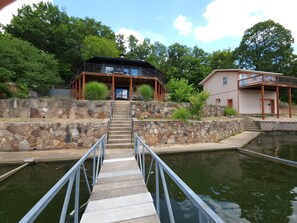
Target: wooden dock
pixel 120 194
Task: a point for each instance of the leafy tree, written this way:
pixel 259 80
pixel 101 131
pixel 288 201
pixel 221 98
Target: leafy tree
pixel 222 59
pixel 265 46
pixel 99 46
pixel 53 31
pixel 120 41
pixel 27 65
pixel 96 91
pixel 180 90
pixel 176 51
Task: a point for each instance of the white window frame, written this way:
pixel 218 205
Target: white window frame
pixel 225 80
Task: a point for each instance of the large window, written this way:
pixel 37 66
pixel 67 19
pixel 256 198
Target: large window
pixel 109 70
pixel 134 71
pixel 225 80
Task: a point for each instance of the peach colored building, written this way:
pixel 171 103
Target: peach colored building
pixel 247 91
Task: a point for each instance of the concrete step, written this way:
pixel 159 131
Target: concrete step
pixel 123 136
pixel 117 133
pixel 119 146
pixel 125 125
pixel 120 116
pixel 119 141
pixel 111 128
pixel 120 121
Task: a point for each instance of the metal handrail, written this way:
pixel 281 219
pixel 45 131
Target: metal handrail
pixel 72 176
pixel 206 214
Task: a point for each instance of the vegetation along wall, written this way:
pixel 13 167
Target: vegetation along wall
pixel 178 132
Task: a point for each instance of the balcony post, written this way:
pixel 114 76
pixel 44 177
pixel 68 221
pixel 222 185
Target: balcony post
pixel 290 102
pixel 83 87
pixel 277 102
pixel 130 90
pixel 112 88
pixel 262 98
pixel 155 91
pixel 79 87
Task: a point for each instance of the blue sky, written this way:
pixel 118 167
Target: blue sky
pixel 209 24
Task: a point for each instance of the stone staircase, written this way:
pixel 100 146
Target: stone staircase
pixel 119 134
pixel 250 125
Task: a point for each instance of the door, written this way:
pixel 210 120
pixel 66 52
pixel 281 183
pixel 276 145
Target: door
pixel 230 103
pixel 121 93
pixel 269 106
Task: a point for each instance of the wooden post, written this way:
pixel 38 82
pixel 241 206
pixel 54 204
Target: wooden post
pixel 130 90
pixel 75 89
pixel 277 102
pixel 155 91
pixel 290 102
pixel 112 88
pixel 83 87
pixel 79 88
pixel 262 98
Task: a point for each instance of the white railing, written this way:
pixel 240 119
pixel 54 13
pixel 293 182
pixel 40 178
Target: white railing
pixel 71 177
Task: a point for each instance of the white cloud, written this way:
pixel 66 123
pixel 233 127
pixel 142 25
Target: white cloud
pixel 230 18
pixel 183 25
pixel 127 32
pixel 7 12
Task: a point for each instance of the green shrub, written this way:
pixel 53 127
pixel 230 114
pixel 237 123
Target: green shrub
pixel 22 91
pixel 5 92
pixel 96 91
pixel 229 111
pixel 146 91
pixel 181 114
pixel 180 90
pixel 198 101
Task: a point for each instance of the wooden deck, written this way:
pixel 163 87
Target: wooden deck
pixel 120 193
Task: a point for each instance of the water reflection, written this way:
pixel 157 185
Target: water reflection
pixel 283 145
pixel 238 187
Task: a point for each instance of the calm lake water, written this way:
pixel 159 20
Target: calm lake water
pixel 22 191
pixel 240 188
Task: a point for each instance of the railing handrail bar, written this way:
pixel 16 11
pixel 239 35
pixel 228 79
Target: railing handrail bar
pixel 196 200
pixel 43 202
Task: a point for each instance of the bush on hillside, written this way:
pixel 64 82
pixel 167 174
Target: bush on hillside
pixel 180 90
pixel 181 114
pixel 198 101
pixel 146 91
pixel 229 111
pixel 96 91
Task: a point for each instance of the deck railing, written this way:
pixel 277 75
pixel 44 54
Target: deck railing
pixel 71 177
pixel 206 214
pixel 267 80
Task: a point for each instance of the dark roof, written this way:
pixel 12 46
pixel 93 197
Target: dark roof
pixel 120 61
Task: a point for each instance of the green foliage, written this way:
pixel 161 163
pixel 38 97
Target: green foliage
pixel 198 101
pixel 27 65
pixel 96 91
pixel 222 60
pixel 22 91
pixel 53 31
pixel 99 46
pixel 265 46
pixel 5 92
pixel 146 91
pixel 181 114
pixel 180 90
pixel 229 111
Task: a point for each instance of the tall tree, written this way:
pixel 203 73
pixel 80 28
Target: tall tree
pixel 53 31
pixel 265 46
pixel 99 46
pixel 222 59
pixel 120 41
pixel 24 64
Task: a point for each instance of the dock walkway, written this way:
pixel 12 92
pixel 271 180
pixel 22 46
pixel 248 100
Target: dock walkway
pixel 120 193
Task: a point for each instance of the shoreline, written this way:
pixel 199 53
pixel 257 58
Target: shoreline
pixel 39 156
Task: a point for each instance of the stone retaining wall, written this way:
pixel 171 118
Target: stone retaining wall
pixel 145 110
pixel 270 126
pixel 24 136
pixel 54 108
pixel 178 132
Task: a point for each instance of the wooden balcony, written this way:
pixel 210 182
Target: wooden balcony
pixel 270 82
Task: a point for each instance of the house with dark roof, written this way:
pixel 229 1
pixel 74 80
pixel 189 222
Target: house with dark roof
pixel 122 76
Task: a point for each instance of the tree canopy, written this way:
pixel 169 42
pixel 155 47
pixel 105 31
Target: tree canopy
pixel 22 63
pixel 266 46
